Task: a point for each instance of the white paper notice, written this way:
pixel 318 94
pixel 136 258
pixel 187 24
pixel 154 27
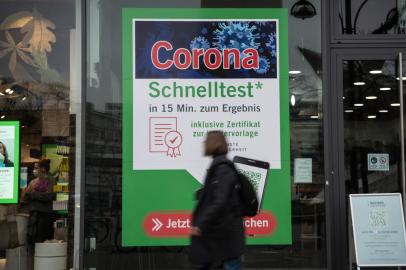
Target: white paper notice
pixel 6 183
pixel 303 170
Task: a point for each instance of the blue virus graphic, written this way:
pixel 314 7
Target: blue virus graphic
pixel 261 23
pixel 144 51
pixel 235 35
pixel 263 65
pixel 271 44
pixel 205 31
pixel 199 43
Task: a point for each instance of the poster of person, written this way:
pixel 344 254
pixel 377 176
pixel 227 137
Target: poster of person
pixel 6 152
pixel 9 161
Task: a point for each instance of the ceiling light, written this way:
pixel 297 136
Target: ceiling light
pixel 395 104
pixel 383 111
pixel 1 94
pixel 3 116
pixel 371 116
pixel 349 111
pixel 343 97
pixel 7 90
pixel 358 104
pixel 293 100
pixel 314 117
pixel 11 92
pixel 384 88
pixel 403 78
pixel 371 97
pixel 359 83
pixel 294 72
pixel 24 98
pixel 375 72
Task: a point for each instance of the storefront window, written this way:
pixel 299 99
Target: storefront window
pixel 103 215
pixel 37 64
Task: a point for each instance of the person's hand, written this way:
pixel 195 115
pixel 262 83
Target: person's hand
pixel 196 231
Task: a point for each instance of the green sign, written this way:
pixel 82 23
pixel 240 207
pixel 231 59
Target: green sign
pixel 9 161
pixel 188 71
pixel 50 151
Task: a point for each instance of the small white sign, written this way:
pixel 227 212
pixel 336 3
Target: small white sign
pixel 378 162
pixel 303 170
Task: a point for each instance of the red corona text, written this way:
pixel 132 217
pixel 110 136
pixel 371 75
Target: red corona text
pixel 211 58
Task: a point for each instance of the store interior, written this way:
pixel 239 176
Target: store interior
pixel 35 90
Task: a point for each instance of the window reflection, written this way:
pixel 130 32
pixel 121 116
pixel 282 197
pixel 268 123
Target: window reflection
pixel 362 17
pixel 35 89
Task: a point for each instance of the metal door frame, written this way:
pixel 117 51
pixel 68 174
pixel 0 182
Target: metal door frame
pixel 334 133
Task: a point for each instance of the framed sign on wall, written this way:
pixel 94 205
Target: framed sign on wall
pixel 189 71
pixel 9 161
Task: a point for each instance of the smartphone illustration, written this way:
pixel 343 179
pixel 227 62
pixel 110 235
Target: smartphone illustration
pixel 257 173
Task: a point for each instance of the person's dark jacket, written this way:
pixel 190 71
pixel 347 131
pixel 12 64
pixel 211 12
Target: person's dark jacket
pixel 41 201
pixel 42 216
pixel 218 216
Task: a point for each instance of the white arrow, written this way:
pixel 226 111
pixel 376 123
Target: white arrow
pixel 158 224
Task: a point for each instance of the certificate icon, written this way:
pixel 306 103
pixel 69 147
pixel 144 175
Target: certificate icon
pixel 164 136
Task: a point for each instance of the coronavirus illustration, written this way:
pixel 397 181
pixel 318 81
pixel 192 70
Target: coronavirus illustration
pixel 263 65
pixel 205 49
pixel 271 44
pixel 199 43
pixel 236 35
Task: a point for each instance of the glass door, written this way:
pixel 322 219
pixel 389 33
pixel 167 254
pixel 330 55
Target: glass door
pixel 370 124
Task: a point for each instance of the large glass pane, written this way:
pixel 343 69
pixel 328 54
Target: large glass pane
pixel 371 130
pixel 37 71
pixel 361 17
pixel 104 145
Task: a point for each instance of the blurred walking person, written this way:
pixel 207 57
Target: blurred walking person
pixel 217 227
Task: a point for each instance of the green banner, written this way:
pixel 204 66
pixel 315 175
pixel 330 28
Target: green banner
pixel 189 71
pixel 9 161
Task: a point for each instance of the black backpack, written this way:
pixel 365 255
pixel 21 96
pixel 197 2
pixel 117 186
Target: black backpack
pixel 248 196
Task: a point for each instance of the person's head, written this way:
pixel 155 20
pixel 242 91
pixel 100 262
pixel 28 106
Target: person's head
pixel 215 144
pixel 3 151
pixel 43 167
